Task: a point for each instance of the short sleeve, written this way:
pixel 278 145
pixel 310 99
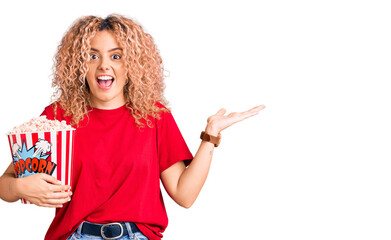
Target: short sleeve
pixel 172 148
pixel 46 112
pixel 60 114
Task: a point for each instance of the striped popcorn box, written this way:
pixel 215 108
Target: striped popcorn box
pixel 47 152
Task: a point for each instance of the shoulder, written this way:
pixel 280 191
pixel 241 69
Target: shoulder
pixel 161 106
pixel 162 111
pixel 49 111
pixel 55 111
pixel 165 119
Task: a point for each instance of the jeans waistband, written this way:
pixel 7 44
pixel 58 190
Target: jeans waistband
pixel 110 230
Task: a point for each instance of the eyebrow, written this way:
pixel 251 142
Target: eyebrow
pixel 114 49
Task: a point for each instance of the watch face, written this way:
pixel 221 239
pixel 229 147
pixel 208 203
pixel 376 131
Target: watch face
pixel 205 136
pixel 211 139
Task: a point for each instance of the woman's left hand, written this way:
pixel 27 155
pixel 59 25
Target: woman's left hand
pixel 219 121
pixel 184 184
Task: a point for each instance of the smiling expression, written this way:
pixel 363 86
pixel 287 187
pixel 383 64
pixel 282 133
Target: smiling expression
pixel 106 74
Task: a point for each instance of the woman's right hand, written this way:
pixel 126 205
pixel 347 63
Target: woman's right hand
pixel 43 190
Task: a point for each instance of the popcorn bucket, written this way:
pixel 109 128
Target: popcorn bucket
pixel 49 152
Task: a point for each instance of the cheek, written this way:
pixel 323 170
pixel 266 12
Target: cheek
pixel 120 68
pixel 89 82
pixel 121 72
pixel 90 78
pixel 90 75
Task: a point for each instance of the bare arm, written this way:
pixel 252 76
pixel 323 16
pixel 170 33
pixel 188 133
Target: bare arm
pixel 40 189
pixel 184 184
pixel 7 185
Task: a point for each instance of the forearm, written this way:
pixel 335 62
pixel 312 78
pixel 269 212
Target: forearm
pixel 40 189
pixel 194 176
pixel 8 187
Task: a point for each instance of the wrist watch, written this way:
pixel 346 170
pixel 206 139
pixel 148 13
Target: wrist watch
pixel 209 138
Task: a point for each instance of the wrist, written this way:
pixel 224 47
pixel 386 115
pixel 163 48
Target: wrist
pixel 209 137
pixel 211 130
pixel 15 187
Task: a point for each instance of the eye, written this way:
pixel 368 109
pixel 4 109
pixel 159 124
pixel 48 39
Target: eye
pixel 94 56
pixel 116 57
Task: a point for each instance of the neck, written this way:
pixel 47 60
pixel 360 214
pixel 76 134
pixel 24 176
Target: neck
pixel 107 105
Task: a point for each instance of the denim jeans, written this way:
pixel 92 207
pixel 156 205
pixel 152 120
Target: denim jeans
pixel 131 236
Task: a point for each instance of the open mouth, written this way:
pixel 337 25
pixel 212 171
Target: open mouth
pixel 105 81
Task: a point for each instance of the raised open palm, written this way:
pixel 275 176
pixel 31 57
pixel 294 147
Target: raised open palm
pixel 220 121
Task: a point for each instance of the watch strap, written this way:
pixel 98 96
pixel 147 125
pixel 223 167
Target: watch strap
pixel 210 138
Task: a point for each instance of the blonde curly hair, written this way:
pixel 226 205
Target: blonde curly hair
pixel 144 68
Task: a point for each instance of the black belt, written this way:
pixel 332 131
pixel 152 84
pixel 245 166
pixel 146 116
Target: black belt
pixel 109 230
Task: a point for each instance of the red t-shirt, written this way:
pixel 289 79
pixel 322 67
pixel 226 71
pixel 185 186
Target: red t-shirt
pixel 116 171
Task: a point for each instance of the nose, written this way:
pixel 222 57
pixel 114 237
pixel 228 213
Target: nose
pixel 104 64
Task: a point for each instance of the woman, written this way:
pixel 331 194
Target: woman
pixel 109 81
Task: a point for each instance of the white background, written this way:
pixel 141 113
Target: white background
pixel 315 164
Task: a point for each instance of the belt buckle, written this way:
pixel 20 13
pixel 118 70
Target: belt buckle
pixel 102 233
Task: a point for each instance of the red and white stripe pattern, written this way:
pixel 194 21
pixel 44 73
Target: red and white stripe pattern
pixel 61 150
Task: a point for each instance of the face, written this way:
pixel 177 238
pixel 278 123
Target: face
pixel 106 76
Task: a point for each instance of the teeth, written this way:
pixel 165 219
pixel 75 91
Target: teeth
pixel 105 78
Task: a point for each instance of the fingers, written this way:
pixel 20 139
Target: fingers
pixel 61 195
pixel 58 201
pixel 221 112
pixel 57 185
pixel 50 179
pixel 60 188
pixel 237 117
pixel 247 115
pixel 54 200
pixel 51 205
pixel 255 109
pixel 45 191
pixel 251 112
